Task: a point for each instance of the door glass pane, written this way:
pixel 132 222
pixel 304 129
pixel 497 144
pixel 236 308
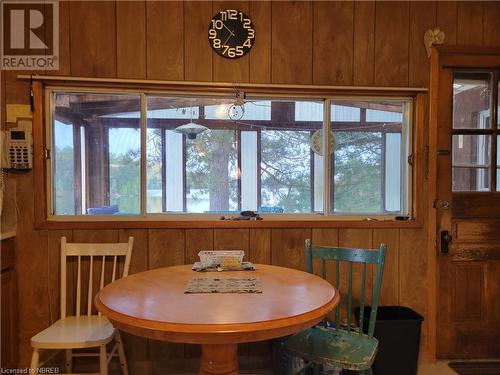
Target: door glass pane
pixel 471 100
pixel 471 161
pixel 498 162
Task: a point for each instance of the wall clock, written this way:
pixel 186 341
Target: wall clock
pixel 231 33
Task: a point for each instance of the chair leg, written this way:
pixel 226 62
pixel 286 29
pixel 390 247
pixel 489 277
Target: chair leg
pixel 69 360
pixel 35 358
pixel 103 360
pixel 121 353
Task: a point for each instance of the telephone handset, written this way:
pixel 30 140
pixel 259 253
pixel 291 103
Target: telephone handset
pixel 17 149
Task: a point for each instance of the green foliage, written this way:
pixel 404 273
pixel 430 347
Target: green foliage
pixel 64 181
pixel 358 172
pixel 125 181
pixel 285 170
pixel 211 168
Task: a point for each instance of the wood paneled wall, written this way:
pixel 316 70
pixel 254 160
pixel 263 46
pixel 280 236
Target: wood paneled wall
pixel 338 43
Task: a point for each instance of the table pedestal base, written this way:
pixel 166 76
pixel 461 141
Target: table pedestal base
pixel 219 359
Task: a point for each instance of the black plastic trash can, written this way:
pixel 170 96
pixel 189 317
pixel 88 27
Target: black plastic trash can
pixel 398 331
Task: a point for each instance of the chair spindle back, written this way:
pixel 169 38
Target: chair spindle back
pixel 351 256
pixel 100 251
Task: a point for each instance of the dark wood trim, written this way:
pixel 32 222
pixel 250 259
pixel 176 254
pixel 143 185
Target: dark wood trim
pixel 39 168
pixel 153 224
pixel 494 125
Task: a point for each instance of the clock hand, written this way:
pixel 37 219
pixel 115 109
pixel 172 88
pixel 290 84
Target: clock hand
pixel 228 29
pixel 229 37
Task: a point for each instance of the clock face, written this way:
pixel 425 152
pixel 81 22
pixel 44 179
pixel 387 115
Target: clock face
pixel 231 33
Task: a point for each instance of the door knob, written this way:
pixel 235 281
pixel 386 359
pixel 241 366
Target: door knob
pixel 445 241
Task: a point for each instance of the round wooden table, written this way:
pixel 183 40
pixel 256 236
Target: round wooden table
pixel 153 304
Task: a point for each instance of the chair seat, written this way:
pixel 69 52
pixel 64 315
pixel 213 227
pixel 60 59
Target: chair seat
pixel 75 332
pixel 337 348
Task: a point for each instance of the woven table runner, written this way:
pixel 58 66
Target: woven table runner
pixel 224 285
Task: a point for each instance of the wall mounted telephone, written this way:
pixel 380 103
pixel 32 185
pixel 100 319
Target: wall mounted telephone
pixel 17 149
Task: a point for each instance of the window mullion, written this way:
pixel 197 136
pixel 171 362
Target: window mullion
pixel 327 160
pixel 144 124
pixel 494 127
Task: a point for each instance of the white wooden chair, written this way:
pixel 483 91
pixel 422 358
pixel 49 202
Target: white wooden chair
pixel 88 330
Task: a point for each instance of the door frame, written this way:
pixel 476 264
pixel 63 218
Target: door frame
pixel 443 56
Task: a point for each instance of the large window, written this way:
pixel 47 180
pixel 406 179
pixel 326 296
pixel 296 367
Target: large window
pixel 141 154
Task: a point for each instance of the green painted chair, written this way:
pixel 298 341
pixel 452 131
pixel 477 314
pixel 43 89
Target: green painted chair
pixel 341 347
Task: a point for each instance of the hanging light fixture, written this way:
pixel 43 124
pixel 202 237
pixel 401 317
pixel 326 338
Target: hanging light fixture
pixel 191 129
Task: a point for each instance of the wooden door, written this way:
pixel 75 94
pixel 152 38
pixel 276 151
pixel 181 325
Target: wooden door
pixel 468 207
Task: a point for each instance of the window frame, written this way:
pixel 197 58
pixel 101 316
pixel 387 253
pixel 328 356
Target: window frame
pixel 44 110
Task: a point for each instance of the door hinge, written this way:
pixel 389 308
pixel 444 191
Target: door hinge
pixel 46 154
pixel 411 159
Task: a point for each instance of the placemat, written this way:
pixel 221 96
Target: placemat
pixel 224 285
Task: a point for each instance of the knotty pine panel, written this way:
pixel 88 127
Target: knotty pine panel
pixel 422 18
pixel 333 43
pixel 93 38
pixel 446 16
pixel 196 240
pixel 260 57
pixel 197 50
pixel 469 23
pixel 491 24
pixel 165 40
pixel 292 30
pixel 391 43
pixel 231 239
pixel 259 250
pixel 389 292
pixel 413 273
pixel 364 43
pixel 131 39
pixel 64 41
pixel 166 247
pixel 230 70
pixel 287 247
